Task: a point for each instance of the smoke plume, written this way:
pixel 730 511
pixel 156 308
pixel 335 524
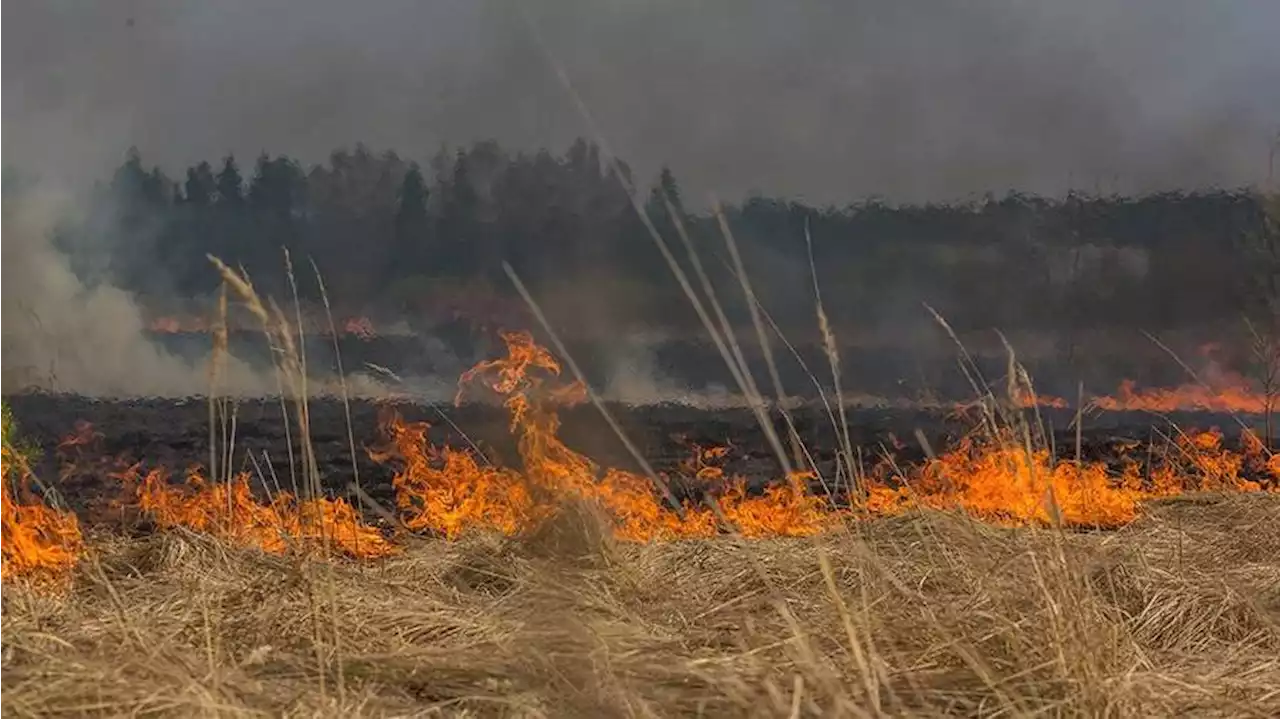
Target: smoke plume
pixel 830 101
pixel 63 334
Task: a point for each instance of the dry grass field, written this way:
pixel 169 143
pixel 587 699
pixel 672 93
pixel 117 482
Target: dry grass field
pixel 925 614
pixel 995 578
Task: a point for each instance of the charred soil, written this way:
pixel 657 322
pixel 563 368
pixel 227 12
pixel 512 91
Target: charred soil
pixel 174 434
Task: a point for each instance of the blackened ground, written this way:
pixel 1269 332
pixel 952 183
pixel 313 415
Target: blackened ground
pixel 175 434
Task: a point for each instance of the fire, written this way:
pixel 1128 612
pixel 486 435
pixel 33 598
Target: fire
pixel 1218 390
pixel 1200 462
pixel 1226 392
pixel 1232 397
pixel 39 543
pixel 229 511
pixel 445 490
pixel 639 514
pixel 360 328
pixel 448 491
pixel 1027 400
pixel 787 510
pixel 1010 485
pixel 178 325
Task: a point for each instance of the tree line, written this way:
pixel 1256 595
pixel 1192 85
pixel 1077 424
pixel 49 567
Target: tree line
pixel 391 236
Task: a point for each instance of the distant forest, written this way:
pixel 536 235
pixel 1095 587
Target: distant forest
pixel 393 238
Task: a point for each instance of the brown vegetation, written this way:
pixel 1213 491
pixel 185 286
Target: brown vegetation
pixel 925 615
pixel 560 605
pixel 936 607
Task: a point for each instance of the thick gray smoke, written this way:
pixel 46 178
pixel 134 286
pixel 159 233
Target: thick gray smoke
pixel 65 334
pixel 906 99
pixel 909 100
pixel 62 335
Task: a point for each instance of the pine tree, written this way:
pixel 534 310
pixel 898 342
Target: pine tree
pixel 458 220
pixel 201 187
pixel 412 226
pixel 230 183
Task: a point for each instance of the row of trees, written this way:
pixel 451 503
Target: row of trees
pixel 388 235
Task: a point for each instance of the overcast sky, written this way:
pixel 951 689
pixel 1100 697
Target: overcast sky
pixel 827 101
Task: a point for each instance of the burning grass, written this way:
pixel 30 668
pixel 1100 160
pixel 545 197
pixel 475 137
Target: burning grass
pixel 448 492
pixel 927 615
pixel 996 479
pixel 563 588
pixel 39 543
pixel 229 511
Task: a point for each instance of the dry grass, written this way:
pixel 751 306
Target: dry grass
pixel 931 615
pixel 924 615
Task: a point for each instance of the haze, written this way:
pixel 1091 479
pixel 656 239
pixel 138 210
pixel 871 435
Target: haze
pixel 825 101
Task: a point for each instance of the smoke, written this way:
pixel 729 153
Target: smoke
pixel 909 100
pixel 63 334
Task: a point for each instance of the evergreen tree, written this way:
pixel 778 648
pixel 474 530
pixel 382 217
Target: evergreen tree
pixel 667 186
pixel 230 183
pixel 458 220
pixel 412 226
pixel 368 218
pixel 201 187
pixel 277 188
pixel 132 185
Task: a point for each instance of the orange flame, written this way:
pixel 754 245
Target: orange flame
pixel 229 511
pixel 1010 485
pixel 359 327
pixel 1013 486
pixel 1233 397
pixel 447 491
pixel 639 514
pixel 39 543
pixel 1217 389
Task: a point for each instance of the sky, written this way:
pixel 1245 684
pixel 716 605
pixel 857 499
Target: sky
pixel 825 101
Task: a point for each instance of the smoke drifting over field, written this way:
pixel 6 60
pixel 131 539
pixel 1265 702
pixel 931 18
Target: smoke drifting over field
pixel 829 100
pixel 60 333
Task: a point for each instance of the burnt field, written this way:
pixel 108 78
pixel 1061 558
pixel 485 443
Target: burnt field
pixel 175 434
pixel 562 587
